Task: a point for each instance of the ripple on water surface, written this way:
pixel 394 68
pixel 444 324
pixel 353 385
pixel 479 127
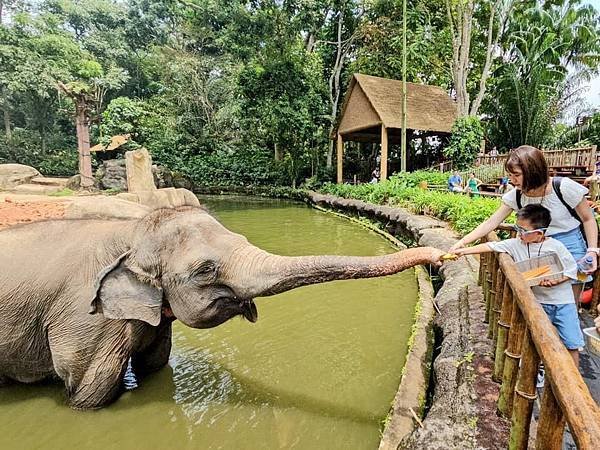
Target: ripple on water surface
pixel 317 371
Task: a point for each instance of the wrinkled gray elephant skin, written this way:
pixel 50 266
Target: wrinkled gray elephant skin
pixel 79 298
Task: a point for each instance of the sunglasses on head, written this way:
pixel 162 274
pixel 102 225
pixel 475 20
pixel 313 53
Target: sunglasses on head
pixel 523 232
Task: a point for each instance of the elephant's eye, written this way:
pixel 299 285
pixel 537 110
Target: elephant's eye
pixel 204 269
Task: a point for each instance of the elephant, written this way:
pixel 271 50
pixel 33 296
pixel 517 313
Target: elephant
pixel 80 299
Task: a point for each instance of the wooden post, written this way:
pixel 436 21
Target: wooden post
pixel 340 159
pixel 481 270
pixel 497 304
pixel 525 395
pixel 484 283
pixel 508 303
pixel 511 362
pixel 592 165
pixel 551 424
pixel 384 152
pixel 491 276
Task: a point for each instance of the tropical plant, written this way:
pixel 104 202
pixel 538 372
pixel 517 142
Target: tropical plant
pixel 465 142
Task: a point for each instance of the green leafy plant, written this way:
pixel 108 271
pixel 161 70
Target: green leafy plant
pixel 467 134
pixel 462 212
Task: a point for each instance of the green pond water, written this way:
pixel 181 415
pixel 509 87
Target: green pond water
pixel 318 370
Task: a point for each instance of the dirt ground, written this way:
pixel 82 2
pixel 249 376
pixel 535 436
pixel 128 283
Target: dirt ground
pixel 12 212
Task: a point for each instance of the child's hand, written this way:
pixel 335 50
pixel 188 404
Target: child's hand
pixel 549 283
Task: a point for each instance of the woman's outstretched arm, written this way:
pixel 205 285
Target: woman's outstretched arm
pixel 482 230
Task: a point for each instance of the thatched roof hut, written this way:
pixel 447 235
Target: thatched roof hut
pixel 372 112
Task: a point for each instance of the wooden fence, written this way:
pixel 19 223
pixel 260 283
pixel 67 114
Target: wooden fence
pixel 584 156
pixel 523 336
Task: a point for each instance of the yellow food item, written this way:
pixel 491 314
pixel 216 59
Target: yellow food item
pixel 449 256
pixel 537 272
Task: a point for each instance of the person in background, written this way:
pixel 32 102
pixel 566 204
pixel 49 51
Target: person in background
pixel 375 176
pixel 555 296
pixel 473 185
pixel 455 182
pixel 505 186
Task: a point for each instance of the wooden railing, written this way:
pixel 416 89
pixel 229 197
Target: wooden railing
pixel 584 156
pixel 523 336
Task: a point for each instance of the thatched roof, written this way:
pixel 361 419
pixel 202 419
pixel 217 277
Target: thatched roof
pixel 372 101
pixel 115 143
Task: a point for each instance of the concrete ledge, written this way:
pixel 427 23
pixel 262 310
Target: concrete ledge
pixel 411 396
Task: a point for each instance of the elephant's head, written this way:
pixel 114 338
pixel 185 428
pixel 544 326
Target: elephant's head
pixel 186 262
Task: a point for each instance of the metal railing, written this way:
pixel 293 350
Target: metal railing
pixel 523 336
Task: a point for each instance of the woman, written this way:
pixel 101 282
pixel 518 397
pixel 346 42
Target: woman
pixel 528 173
pixel 473 184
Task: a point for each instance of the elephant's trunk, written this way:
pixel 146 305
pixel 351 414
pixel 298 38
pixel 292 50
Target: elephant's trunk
pixel 272 274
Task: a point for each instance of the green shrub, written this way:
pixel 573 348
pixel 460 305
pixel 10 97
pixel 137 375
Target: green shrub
pixel 462 212
pixel 465 143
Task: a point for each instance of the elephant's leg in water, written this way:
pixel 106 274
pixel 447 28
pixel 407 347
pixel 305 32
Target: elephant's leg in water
pixel 156 355
pixel 93 375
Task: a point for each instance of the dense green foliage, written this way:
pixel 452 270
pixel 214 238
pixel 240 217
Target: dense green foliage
pixel 240 92
pixel 462 212
pixel 549 49
pixel 465 142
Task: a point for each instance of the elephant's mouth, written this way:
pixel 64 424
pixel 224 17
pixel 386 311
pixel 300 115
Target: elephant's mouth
pixel 166 311
pixel 249 310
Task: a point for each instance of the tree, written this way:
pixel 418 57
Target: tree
pixel 462 20
pixel 532 88
pixel 87 92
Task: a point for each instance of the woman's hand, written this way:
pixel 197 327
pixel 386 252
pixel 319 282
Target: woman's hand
pixel 457 245
pixel 594 262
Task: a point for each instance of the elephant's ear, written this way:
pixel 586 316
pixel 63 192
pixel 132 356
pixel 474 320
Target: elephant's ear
pixel 120 294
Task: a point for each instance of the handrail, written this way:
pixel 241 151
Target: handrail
pixel 581 156
pixel 523 335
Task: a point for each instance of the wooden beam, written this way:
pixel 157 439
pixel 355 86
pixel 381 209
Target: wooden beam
pixel 340 159
pixel 384 152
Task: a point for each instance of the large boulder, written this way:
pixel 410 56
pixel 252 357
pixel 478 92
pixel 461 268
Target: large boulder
pixel 74 183
pixel 139 171
pixel 12 175
pixel 112 174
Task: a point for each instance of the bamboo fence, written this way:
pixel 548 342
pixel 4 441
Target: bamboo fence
pixel 523 336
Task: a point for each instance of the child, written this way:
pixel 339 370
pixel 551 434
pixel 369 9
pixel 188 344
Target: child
pixel 555 296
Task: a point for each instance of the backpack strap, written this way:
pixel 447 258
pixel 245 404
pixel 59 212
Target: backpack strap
pixel 556 181
pixel 556 186
pixel 518 199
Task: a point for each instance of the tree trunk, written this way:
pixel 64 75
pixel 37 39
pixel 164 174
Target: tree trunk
pixel 334 84
pixel 7 128
pixel 501 10
pixel 83 144
pixel 278 153
pixel 461 46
